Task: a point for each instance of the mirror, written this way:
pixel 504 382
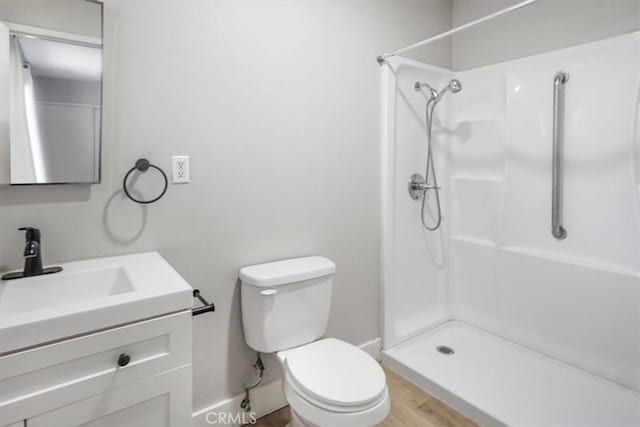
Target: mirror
pixel 54 101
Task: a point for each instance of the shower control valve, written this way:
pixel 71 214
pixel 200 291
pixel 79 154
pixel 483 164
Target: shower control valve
pixel 418 186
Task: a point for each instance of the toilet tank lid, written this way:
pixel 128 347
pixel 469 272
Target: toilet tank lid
pixel 287 271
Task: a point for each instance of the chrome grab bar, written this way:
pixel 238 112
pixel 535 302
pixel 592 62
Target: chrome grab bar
pixel 559 81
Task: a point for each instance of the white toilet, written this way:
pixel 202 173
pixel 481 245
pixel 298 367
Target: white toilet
pixel 327 382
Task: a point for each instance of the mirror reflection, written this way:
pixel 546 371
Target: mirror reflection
pixel 55 110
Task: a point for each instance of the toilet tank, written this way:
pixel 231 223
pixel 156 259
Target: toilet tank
pixel 286 303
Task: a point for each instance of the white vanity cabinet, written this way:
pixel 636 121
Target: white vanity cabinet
pixel 162 400
pixel 137 375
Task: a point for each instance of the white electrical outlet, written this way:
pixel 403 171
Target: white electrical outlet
pixel 180 169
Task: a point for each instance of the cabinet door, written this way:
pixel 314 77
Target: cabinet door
pixel 52 376
pixel 162 400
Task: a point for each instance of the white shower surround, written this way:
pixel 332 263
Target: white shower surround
pixel 404 317
pixel 577 300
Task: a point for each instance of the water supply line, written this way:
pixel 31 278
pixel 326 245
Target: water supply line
pixel 258 366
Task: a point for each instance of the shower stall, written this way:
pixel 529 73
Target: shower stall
pixel 523 307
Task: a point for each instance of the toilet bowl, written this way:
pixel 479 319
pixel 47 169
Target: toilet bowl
pixel 327 382
pixel 332 383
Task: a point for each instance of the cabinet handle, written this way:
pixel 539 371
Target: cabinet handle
pixel 123 360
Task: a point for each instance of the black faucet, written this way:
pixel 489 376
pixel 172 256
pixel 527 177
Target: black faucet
pixel 32 257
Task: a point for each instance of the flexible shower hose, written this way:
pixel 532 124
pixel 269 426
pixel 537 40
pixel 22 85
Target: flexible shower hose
pixel 430 170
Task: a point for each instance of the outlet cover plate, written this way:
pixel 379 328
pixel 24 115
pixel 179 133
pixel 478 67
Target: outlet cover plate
pixel 180 169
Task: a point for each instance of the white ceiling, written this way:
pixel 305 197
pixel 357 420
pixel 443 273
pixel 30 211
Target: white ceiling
pixel 62 60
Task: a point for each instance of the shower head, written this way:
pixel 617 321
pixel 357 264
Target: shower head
pixel 454 86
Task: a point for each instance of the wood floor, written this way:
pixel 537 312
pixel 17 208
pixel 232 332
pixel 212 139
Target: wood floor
pixel 410 407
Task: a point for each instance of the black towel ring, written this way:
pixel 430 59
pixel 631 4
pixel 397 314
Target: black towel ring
pixel 143 165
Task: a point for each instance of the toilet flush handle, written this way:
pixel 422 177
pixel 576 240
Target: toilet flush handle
pixel 269 292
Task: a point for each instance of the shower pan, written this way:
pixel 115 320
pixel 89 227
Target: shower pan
pixel 498 312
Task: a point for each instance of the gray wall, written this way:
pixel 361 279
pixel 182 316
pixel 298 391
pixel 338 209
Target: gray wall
pixel 544 26
pixel 278 104
pixel 72 16
pixel 63 90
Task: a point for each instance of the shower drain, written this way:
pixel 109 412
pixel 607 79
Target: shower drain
pixel 446 350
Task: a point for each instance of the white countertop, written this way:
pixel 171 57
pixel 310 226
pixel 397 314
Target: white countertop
pixel 87 296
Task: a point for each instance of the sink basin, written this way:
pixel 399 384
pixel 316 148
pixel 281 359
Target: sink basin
pixel 87 296
pixel 23 297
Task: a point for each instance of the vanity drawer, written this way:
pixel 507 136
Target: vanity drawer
pixel 57 374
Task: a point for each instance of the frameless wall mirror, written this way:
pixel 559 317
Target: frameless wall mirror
pixel 50 93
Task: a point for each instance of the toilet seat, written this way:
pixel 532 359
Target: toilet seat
pixel 307 414
pixel 335 376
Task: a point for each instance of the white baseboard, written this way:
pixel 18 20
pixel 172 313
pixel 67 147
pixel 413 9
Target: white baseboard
pixel 265 399
pixel 373 348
